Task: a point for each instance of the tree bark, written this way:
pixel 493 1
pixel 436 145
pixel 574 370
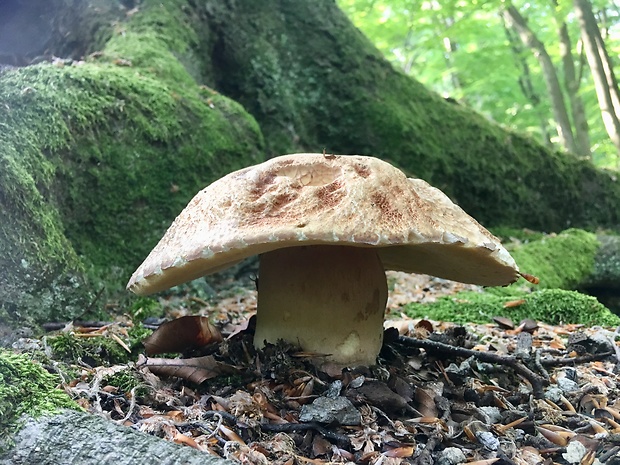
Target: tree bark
pixel 79 438
pixel 565 133
pixel 525 82
pixel 602 73
pixel 571 84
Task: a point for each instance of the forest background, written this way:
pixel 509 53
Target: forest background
pixel 544 68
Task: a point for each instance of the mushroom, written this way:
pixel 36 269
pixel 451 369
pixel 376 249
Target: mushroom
pixel 326 229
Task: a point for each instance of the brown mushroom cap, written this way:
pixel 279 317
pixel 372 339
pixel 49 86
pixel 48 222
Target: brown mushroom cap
pixel 311 199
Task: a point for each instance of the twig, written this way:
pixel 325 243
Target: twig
pixel 537 382
pixel 132 406
pixel 229 417
pixel 561 361
pixel 296 427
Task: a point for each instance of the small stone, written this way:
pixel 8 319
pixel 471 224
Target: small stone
pixel 338 410
pixel 334 389
pixel 554 394
pixel 451 456
pixel 493 414
pixel 574 452
pixel 488 440
pixel 567 385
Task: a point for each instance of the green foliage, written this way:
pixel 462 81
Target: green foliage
pixel 26 388
pixel 553 306
pixel 481 69
pixel 348 99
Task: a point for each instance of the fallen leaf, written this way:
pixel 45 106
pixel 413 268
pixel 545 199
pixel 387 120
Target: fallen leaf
pixel 195 370
pixel 187 332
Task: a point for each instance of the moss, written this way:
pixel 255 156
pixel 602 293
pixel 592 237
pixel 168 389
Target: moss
pixel 553 306
pixel 606 272
pixel 125 381
pixel 145 307
pixel 94 351
pixel 562 261
pixel 137 333
pixel 26 388
pixel 97 159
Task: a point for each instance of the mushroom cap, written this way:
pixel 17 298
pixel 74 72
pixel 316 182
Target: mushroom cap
pixel 307 199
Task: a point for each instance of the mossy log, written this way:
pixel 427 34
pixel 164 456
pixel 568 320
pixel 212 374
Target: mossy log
pixel 80 438
pixel 100 149
pixel 572 259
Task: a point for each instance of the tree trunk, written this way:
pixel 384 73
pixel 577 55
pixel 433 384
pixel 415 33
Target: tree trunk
pixel 514 19
pixel 602 73
pixel 79 438
pixel 525 82
pixel 571 84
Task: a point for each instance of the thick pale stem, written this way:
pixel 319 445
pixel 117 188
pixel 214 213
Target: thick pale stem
pixel 326 299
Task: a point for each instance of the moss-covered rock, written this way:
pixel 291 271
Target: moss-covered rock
pixel 97 158
pixel 561 261
pixel 553 306
pixel 564 263
pixel 26 388
pixel 574 259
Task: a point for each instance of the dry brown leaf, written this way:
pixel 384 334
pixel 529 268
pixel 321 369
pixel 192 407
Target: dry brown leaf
pixel 504 322
pixel 195 370
pixel 187 332
pixel 403 451
pixel 425 402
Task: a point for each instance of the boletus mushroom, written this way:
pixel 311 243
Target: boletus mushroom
pixel 326 229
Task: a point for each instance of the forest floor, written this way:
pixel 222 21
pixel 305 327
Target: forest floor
pixel 503 393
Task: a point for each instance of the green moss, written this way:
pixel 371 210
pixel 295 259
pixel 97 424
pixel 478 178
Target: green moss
pixel 145 307
pixel 26 388
pixel 606 271
pixel 125 381
pixel 137 333
pixel 95 351
pixel 562 261
pixel 97 158
pixel 553 306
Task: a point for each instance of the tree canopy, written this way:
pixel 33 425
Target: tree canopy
pixel 484 54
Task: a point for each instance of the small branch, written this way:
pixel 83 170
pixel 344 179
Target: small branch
pixel 296 427
pixel 537 382
pixel 561 361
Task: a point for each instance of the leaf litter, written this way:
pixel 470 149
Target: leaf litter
pixel 502 393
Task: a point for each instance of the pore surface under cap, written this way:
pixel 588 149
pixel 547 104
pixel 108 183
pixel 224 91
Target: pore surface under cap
pixel 307 199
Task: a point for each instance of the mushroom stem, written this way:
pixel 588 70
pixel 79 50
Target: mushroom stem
pixel 327 299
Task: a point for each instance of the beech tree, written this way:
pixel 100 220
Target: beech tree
pixel 602 70
pixel 529 38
